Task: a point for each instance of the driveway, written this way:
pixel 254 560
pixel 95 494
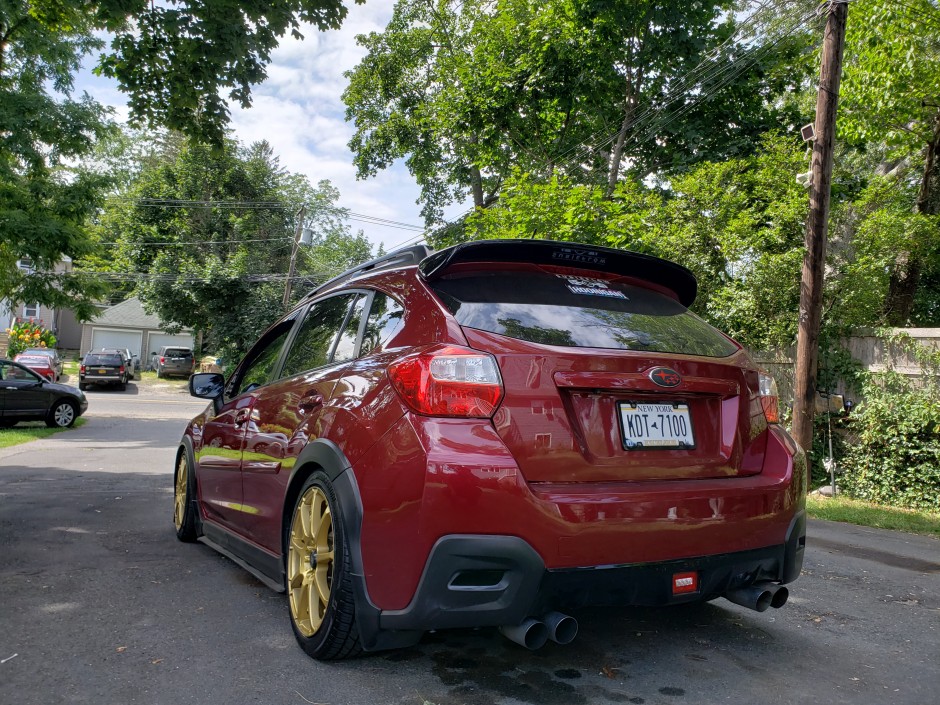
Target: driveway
pixel 100 604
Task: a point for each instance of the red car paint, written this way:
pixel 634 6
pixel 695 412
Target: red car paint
pixel 548 465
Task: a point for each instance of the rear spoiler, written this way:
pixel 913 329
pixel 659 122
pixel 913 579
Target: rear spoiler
pixel 664 273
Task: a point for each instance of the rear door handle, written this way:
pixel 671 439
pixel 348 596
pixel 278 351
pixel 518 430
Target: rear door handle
pixel 311 402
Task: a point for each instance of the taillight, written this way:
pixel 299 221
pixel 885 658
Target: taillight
pixel 121 370
pixel 448 381
pixel 769 398
pixel 162 360
pixel 81 369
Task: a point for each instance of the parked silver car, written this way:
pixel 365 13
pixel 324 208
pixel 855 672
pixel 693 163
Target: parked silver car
pixel 177 361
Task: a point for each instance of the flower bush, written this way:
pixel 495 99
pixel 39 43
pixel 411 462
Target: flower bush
pixel 28 334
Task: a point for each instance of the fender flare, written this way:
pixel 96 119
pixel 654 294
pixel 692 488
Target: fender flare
pixel 324 455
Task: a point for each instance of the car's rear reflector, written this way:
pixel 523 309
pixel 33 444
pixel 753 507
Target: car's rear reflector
pixel 448 381
pixel 684 583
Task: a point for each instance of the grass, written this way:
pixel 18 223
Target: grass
pixel 853 511
pixel 30 431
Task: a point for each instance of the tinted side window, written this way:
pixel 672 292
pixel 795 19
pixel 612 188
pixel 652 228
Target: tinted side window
pixel 260 360
pixel 385 317
pixel 311 348
pixel 346 345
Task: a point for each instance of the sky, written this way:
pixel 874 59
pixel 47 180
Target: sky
pixel 299 110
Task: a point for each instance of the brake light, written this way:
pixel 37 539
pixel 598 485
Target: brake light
pixel 81 369
pixel 121 370
pixel 162 360
pixel 769 398
pixel 448 381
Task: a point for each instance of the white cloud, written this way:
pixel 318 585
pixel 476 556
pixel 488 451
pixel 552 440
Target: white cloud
pixel 300 112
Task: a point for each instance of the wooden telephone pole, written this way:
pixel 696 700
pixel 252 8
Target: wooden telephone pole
pixel 293 257
pixel 817 226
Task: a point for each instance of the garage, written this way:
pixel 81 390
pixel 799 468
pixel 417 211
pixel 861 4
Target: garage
pixel 128 325
pixel 111 338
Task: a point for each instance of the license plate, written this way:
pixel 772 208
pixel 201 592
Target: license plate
pixel 650 425
pixel 102 372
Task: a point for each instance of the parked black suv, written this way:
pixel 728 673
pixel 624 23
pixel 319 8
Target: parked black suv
pixel 103 368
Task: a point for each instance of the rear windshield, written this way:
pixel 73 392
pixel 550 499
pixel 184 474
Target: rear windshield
pixel 103 359
pixel 178 352
pixel 578 311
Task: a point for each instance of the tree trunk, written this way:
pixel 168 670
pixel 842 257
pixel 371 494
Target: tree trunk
pixel 476 185
pixel 905 277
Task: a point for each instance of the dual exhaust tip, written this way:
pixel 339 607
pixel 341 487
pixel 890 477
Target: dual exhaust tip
pixel 562 629
pixel 760 596
pixel 534 633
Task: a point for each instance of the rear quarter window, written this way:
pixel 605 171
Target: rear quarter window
pixel 578 311
pixel 104 360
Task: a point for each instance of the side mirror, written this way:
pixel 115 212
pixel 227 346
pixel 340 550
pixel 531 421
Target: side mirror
pixel 207 385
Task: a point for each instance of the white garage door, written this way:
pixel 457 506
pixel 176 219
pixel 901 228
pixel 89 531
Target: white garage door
pixel 159 340
pixel 103 338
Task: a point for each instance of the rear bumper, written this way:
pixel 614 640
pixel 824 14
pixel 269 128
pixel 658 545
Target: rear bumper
pixel 102 379
pixel 431 479
pixel 475 581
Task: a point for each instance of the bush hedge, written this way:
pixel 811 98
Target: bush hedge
pixel 896 460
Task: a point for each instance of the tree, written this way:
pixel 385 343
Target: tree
pixel 175 60
pixel 44 198
pixel 466 92
pixel 205 235
pixel 891 95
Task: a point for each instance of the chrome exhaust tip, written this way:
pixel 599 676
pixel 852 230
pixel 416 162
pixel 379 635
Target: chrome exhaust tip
pixel 532 634
pixel 562 628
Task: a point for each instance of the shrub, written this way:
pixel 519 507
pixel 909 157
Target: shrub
pixel 28 334
pixel 897 458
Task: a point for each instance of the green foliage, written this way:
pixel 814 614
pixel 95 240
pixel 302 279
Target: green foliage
pixel 28 334
pixel 467 92
pixel 896 460
pixel 205 237
pixel 44 199
pixel 177 60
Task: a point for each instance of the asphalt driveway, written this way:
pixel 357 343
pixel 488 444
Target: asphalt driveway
pixel 100 604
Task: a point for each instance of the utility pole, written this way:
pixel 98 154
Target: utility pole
pixel 817 226
pixel 293 256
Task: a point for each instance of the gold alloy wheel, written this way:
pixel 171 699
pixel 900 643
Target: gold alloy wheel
pixel 310 561
pixel 179 493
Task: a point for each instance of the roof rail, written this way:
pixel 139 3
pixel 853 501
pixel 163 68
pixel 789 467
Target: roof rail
pixel 398 258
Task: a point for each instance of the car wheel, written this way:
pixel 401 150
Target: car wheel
pixel 62 414
pixel 159 373
pixel 184 506
pixel 7 423
pixel 122 386
pixel 319 586
pixel 82 386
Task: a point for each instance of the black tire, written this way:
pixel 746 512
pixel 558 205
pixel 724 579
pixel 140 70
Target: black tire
pixel 7 423
pixel 184 505
pixel 83 386
pixel 62 414
pixel 337 635
pixel 159 373
pixel 122 386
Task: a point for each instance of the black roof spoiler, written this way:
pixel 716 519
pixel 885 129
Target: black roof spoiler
pixel 664 273
pixel 399 258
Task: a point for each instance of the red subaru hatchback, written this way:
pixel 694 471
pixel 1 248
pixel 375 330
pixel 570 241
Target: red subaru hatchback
pixel 487 435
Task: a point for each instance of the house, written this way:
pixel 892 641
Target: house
pixel 61 322
pixel 127 325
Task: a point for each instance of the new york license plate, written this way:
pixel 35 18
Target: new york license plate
pixel 649 425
